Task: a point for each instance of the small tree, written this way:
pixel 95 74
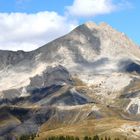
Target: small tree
pixel 105 137
pixel 86 138
pixel 76 138
pixel 96 137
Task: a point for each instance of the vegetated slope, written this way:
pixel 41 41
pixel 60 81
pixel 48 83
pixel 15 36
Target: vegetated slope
pixel 105 127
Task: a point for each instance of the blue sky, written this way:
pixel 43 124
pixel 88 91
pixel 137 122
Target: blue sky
pixel 28 24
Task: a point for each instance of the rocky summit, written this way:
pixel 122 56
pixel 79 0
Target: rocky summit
pixel 86 82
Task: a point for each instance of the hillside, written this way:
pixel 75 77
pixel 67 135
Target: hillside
pixel 85 82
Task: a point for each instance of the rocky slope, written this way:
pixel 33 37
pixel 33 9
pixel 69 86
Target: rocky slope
pixel 91 73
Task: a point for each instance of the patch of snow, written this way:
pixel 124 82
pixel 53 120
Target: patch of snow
pixel 24 93
pixel 95 108
pixel 67 107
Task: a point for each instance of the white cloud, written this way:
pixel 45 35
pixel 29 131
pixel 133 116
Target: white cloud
pixel 21 31
pixel 90 8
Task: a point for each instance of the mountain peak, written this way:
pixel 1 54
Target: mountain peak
pixel 104 24
pixel 92 25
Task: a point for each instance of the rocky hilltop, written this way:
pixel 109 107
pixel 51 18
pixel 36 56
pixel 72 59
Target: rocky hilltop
pixel 89 76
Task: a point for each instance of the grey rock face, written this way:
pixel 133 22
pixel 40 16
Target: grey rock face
pixel 52 76
pixel 133 109
pixel 130 66
pixel 13 58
